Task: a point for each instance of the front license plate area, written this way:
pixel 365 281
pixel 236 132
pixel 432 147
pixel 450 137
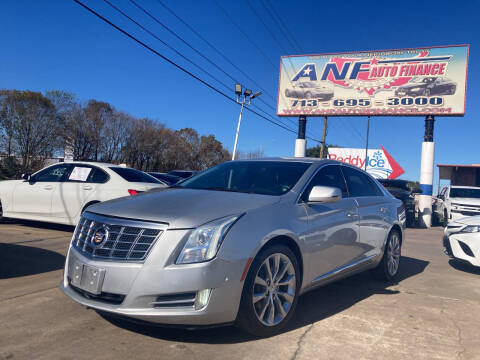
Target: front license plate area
pixel 88 278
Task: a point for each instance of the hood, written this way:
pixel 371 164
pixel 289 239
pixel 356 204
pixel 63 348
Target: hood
pixel 412 85
pixel 182 208
pixel 465 201
pixel 469 220
pixel 143 186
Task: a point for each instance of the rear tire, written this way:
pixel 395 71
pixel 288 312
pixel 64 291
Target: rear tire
pixel 269 301
pixel 387 270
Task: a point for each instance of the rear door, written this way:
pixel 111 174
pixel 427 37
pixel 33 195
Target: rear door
pixel 372 211
pixel 76 191
pixel 333 228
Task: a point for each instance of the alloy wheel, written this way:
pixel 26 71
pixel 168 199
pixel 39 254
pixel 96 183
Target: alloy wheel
pixel 274 289
pixel 393 254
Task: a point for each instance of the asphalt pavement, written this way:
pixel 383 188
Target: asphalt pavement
pixel 433 312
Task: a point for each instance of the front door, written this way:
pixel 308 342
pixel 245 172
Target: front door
pixel 333 228
pixel 34 198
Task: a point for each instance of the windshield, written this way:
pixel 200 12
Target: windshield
pixel 255 177
pixel 464 193
pixel 132 175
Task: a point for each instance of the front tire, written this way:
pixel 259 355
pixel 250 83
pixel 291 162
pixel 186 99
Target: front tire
pixel 270 292
pixel 387 270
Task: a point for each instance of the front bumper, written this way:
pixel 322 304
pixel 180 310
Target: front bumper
pixel 460 212
pixel 463 246
pixel 139 286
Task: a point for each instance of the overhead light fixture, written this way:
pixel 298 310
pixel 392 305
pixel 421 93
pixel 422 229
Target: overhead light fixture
pixel 247 92
pixel 255 95
pixel 238 89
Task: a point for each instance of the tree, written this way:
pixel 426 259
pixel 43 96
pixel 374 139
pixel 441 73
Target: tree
pixel 315 151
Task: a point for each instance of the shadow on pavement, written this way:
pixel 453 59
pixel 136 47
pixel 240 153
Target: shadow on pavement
pixel 464 266
pixel 313 306
pixel 19 260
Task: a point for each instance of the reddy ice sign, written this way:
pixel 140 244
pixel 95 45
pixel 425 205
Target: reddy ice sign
pixel 380 163
pixel 404 82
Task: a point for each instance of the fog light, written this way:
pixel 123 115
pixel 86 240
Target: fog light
pixel 201 300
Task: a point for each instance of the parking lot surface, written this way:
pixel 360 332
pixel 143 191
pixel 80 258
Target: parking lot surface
pixel 433 312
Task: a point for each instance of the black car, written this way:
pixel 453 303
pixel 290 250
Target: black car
pixel 427 86
pixel 401 190
pixel 184 174
pixel 166 178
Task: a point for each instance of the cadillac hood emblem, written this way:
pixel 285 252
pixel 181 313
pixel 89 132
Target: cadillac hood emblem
pixel 99 236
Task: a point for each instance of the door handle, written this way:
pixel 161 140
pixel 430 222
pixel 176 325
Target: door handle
pixel 48 187
pixel 87 187
pixel 351 214
pixel 383 210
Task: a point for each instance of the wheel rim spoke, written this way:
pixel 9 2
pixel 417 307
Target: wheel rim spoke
pixel 274 289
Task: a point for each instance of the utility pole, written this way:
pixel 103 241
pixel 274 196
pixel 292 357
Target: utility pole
pixel 301 143
pixel 366 146
pixel 324 134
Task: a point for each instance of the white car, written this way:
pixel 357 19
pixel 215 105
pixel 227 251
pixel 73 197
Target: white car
pixel 60 193
pixel 461 240
pixel 456 202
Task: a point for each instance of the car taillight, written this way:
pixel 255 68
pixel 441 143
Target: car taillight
pixel 133 192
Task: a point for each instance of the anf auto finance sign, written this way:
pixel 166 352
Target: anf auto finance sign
pixel 424 81
pixel 380 163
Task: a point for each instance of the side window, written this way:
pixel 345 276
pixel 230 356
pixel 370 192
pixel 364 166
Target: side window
pixel 359 184
pixel 79 173
pixel 97 176
pixel 53 173
pixel 330 175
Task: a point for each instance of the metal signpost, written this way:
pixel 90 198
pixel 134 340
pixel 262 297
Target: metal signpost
pixel 402 82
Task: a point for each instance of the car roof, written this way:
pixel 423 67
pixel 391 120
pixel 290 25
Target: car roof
pixel 311 160
pixel 100 164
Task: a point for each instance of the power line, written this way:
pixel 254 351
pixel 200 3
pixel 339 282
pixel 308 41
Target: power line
pixel 171 62
pixel 194 49
pixel 178 53
pixel 214 48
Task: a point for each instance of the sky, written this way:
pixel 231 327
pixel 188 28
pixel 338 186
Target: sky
pixel 53 44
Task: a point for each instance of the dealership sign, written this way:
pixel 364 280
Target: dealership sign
pixel 405 82
pixel 380 163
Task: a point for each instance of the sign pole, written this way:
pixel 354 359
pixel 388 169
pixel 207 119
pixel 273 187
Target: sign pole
pixel 366 147
pixel 322 154
pixel 301 143
pixel 426 173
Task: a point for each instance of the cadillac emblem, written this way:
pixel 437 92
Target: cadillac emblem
pixel 99 236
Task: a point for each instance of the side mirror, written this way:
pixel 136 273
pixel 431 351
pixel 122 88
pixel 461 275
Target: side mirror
pixel 26 176
pixel 324 194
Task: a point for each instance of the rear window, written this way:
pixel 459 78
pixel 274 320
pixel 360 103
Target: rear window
pixel 132 175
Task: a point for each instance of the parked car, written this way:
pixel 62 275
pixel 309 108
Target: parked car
pixel 168 179
pixel 461 240
pixel 401 190
pixel 455 202
pixel 427 86
pixel 237 243
pixel 309 89
pixel 184 174
pixel 60 193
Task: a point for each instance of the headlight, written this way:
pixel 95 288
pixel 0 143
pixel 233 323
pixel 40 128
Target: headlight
pixel 203 242
pixel 471 229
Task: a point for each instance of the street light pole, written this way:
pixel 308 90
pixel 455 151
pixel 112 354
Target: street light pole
pixel 238 129
pixel 247 98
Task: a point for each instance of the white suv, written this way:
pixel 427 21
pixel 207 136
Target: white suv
pixel 455 202
pixel 60 193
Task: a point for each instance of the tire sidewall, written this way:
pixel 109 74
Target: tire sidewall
pixel 246 317
pixel 388 276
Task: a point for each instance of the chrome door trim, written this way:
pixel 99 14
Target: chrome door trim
pixel 343 268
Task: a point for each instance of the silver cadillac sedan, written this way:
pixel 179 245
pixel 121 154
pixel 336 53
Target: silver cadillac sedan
pixel 238 243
